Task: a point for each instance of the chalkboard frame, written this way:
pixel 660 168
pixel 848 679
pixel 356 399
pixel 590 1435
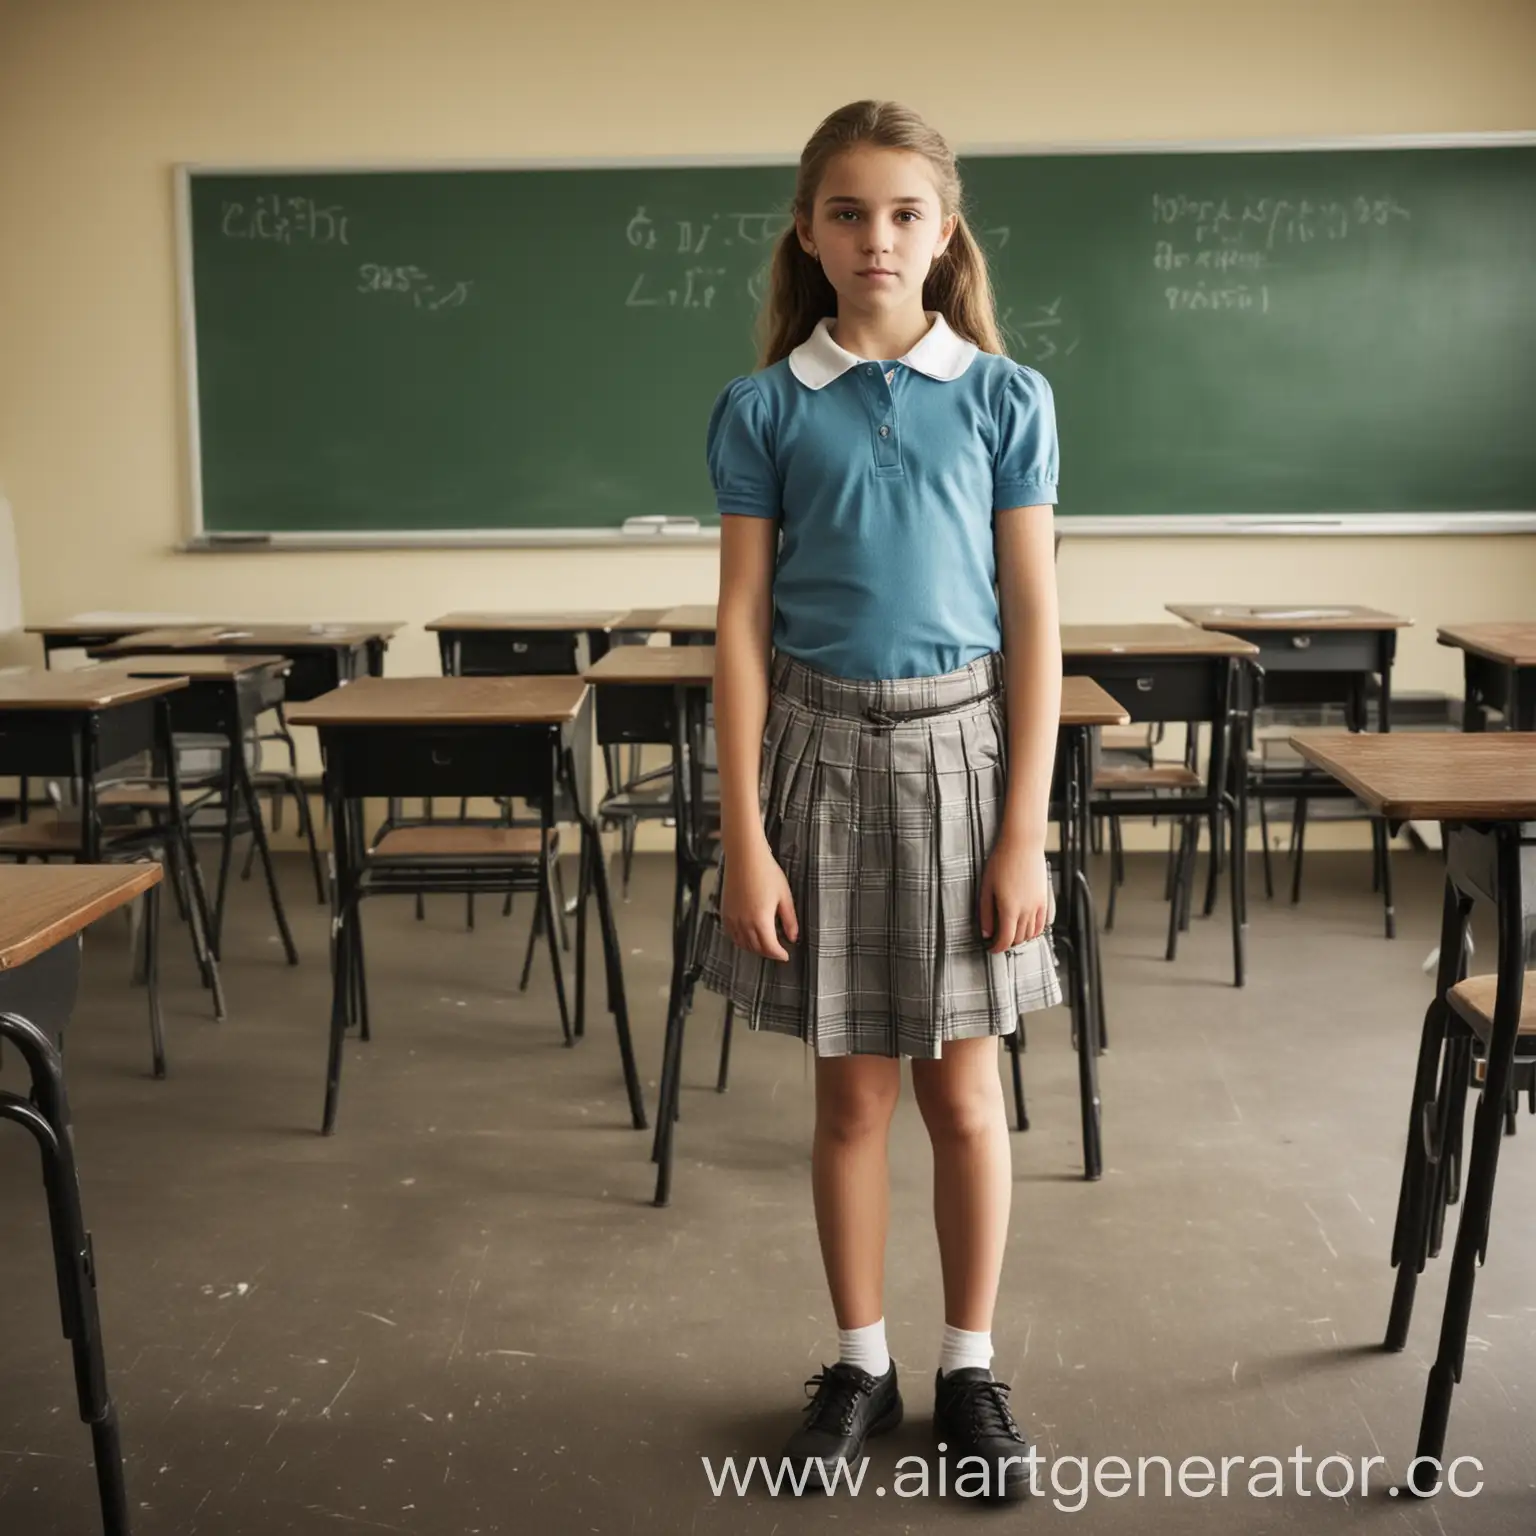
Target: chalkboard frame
pixel 199 540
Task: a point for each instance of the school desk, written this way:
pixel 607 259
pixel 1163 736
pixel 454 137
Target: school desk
pixel 1176 673
pixel 514 644
pixel 1312 655
pixel 43 911
pixel 1482 789
pixel 685 623
pixel 324 656
pixel 77 725
pixel 496 737
pixel 1499 669
pixel 85 634
pixel 225 696
pixel 658 694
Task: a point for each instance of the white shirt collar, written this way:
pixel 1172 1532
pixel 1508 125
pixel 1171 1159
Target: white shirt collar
pixel 941 354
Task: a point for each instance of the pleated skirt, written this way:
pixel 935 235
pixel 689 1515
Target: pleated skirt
pixel 882 801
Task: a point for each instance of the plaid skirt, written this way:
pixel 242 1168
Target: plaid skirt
pixel 882 826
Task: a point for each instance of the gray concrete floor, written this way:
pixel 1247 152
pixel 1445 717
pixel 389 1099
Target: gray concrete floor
pixel 461 1315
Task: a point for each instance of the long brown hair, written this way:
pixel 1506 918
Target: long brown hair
pixel 799 294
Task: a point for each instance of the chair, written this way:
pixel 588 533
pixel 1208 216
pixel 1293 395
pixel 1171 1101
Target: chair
pixel 45 1117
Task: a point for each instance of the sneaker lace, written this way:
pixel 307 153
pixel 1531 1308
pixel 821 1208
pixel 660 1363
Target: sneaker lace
pixel 989 1410
pixel 836 1394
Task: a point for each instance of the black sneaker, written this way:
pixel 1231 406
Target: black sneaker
pixel 847 1407
pixel 971 1418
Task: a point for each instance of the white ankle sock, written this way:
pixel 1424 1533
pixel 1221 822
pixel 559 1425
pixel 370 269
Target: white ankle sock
pixel 865 1347
pixel 961 1349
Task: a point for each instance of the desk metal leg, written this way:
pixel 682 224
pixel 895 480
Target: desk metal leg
pixel 152 976
pixel 687 779
pixel 47 1121
pixel 199 913
pixel 247 792
pixel 617 1003
pixel 342 964
pixel 1487 1135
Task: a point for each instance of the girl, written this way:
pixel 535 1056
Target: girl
pixel 884 778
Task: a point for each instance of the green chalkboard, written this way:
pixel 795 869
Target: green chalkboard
pixel 1229 334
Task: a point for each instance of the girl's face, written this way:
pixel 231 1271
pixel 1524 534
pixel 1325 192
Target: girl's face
pixel 877 227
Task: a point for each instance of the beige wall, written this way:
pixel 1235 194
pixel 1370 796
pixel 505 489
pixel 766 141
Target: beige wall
pixel 99 98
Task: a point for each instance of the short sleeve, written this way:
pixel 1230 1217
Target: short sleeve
pixel 1028 460
pixel 740 453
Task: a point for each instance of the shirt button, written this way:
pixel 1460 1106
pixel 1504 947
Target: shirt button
pixel 870 372
pixel 885 431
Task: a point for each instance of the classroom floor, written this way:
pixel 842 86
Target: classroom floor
pixel 461 1316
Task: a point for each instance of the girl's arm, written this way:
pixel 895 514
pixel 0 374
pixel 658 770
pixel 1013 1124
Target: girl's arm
pixel 756 892
pixel 1016 888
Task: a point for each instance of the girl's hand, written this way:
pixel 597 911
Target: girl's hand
pixel 1015 893
pixel 756 897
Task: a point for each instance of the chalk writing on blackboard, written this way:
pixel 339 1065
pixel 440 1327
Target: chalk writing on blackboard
pixel 734 243
pixel 695 290
pixel 1238 296
pixel 1276 220
pixel 284 220
pixel 1038 334
pixel 420 287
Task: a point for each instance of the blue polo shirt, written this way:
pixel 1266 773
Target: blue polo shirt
pixel 885 478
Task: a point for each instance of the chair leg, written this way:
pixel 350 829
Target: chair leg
pixel 533 938
pixel 1183 871
pixel 723 1074
pixel 584 884
pixel 1389 910
pixel 259 844
pixel 360 979
pixel 1238 874
pixel 307 828
pixel 1213 876
pixel 1298 846
pixel 559 878
pixel 626 854
pixel 1020 1109
pixel 199 919
pixel 1187 900
pixel 226 853
pixel 152 977
pixel 341 984
pixel 617 1005
pixel 76 1276
pixel 556 964
pixel 1116 871
pixel 1269 872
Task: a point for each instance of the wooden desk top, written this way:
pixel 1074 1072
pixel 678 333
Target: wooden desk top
pixel 1150 640
pixel 198 669
pixel 642 619
pixel 639 664
pixel 688 617
pixel 1514 644
pixel 556 623
pixel 1286 616
pixel 1083 702
pixel 81 689
pixel 250 637
pixel 1409 775
pixel 85 627
pixel 43 904
pixel 432 701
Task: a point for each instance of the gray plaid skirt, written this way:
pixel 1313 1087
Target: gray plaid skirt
pixel 882 826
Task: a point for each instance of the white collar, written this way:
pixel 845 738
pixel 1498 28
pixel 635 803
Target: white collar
pixel 941 354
